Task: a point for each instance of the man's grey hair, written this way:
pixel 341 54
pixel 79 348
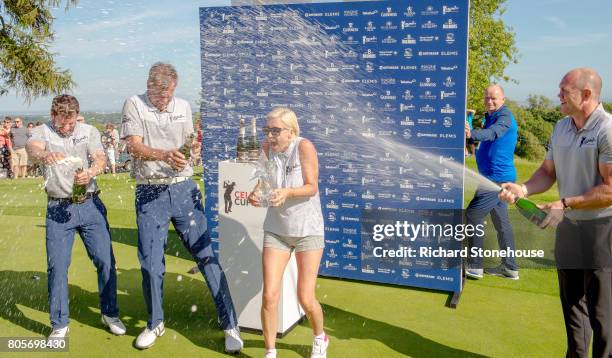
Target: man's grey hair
pixel 162 75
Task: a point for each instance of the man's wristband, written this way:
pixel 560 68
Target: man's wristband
pixel 524 189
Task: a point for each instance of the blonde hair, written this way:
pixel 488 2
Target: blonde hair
pixel 288 118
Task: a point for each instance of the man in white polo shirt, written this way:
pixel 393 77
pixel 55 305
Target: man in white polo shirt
pixel 579 159
pixel 63 146
pixel 155 125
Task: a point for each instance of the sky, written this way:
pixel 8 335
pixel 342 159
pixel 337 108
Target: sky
pixel 108 45
pixel 554 36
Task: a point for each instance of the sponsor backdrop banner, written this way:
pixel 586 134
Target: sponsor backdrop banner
pixel 379 88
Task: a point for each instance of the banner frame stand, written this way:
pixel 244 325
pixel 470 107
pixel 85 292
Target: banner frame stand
pixel 455 296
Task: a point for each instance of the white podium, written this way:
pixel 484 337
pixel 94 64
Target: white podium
pixel 240 249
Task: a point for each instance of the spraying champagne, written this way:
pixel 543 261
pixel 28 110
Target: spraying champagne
pixel 185 149
pixel 529 210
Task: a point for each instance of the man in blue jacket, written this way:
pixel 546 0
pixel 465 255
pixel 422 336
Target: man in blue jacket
pixel 495 159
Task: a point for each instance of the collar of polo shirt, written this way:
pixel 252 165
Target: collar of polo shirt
pixel 591 122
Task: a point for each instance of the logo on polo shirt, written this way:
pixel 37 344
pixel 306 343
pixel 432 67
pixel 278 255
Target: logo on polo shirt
pixel 77 140
pixel 176 118
pixel 587 142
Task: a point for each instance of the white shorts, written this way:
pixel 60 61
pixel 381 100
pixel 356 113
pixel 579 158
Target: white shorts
pixel 110 154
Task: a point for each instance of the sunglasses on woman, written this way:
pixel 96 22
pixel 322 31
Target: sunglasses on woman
pixel 275 131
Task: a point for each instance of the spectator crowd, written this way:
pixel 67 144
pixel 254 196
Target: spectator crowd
pixel 14 161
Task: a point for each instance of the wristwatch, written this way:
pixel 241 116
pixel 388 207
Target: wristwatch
pixel 565 206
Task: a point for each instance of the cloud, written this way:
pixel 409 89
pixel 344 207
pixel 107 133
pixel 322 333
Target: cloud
pixel 100 25
pixel 548 42
pixel 128 43
pixel 95 22
pixel 103 32
pixel 557 21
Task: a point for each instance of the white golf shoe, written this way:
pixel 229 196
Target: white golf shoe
pixel 147 338
pixel 114 324
pixel 233 342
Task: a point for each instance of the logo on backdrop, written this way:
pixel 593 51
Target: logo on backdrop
pixel 233 197
pixel 227 196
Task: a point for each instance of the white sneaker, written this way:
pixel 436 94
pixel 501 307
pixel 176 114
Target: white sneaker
pixel 319 347
pixel 270 353
pixel 114 324
pixel 147 338
pixel 57 334
pixel 233 342
pixel 474 273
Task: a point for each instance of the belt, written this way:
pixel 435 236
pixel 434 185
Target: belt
pixel 162 181
pixel 587 221
pixel 88 195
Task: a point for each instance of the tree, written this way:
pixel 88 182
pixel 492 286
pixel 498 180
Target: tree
pixel 491 48
pixel 539 102
pixel 529 147
pixel 26 65
pixel 543 108
pixel 533 131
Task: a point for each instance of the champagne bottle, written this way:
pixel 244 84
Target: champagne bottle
pixel 185 149
pixel 242 154
pixel 79 191
pixel 253 142
pixel 529 210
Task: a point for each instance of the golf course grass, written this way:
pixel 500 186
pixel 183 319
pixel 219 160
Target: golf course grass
pixel 495 318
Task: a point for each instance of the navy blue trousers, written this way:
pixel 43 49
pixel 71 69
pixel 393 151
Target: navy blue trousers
pixel 483 203
pixel 181 204
pixel 64 219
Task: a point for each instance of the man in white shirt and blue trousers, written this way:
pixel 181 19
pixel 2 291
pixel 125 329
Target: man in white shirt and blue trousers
pixel 156 124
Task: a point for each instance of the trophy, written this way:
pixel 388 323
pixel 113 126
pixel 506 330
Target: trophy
pixel 264 172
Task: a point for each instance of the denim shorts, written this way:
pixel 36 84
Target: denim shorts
pixel 290 243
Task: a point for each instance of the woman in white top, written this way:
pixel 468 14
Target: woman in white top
pixel 294 221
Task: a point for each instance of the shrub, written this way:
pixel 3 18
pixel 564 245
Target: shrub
pixel 529 146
